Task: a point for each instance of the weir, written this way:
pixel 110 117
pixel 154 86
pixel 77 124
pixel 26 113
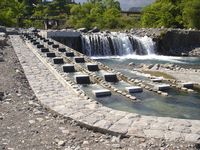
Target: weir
pixel 103 43
pixel 108 44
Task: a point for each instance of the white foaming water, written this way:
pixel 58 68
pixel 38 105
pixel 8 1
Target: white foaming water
pixel 174 59
pixel 147 43
pixel 118 44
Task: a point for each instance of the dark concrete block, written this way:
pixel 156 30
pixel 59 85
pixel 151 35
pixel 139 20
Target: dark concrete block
pixel 33 40
pixel 44 50
pixel 101 93
pixel 51 54
pixel 68 68
pixel 55 46
pixel 41 38
pixel 46 40
pixel 188 85
pixel 93 67
pixel 79 59
pixel 50 43
pixel 61 49
pixel 30 38
pixel 134 89
pixel 40 46
pixel 82 79
pixel 162 87
pixel 110 77
pixel 36 43
pixel 69 54
pixel 58 60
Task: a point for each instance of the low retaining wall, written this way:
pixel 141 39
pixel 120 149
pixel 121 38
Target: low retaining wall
pixel 179 43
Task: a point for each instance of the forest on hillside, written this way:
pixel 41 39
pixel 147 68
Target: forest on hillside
pixel 104 14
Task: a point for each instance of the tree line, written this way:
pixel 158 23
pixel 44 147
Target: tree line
pixel 172 14
pixel 104 14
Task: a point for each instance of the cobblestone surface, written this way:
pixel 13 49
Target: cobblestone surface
pixel 55 93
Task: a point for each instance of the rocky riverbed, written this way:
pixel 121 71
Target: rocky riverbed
pixel 183 73
pixel 26 124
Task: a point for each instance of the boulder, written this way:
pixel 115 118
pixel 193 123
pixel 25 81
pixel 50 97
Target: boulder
pixel 94 30
pixel 84 30
pixel 107 31
pixel 12 31
pixel 3 39
pixel 2 29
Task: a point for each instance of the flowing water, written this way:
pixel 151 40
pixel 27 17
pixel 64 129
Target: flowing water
pixel 177 104
pixel 118 44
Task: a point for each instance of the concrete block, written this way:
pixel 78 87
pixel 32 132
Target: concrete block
pixel 68 68
pixel 157 80
pixel 33 40
pixel 40 46
pixel 102 93
pixel 69 54
pixel 82 79
pixel 44 50
pixel 188 85
pixel 79 59
pixel 51 54
pixel 93 67
pixel 58 60
pixel 134 89
pixel 55 46
pixel 162 87
pixel 50 43
pixel 30 38
pixel 111 77
pixel 61 49
pixel 46 40
pixel 36 43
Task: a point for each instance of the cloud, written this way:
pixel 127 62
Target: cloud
pixel 126 4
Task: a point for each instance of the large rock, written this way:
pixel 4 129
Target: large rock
pixel 2 29
pixel 3 39
pixel 84 30
pixel 12 31
pixel 94 30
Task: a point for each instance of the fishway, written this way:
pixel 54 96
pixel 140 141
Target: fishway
pixel 90 113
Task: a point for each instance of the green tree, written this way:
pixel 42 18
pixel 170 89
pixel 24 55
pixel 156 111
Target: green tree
pixel 9 12
pixel 165 13
pixel 172 13
pixel 191 14
pixel 111 17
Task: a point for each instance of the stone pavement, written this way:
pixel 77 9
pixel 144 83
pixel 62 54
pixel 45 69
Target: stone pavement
pixel 55 93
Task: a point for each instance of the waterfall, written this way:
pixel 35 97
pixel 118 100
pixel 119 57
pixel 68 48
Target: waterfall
pixel 108 44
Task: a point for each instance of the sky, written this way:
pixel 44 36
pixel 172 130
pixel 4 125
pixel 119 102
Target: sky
pixel 126 4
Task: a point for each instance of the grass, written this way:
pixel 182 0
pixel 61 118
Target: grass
pixel 158 74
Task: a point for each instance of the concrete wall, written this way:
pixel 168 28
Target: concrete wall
pixel 178 42
pixel 59 33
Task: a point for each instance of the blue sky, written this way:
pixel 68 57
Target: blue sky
pixel 126 4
